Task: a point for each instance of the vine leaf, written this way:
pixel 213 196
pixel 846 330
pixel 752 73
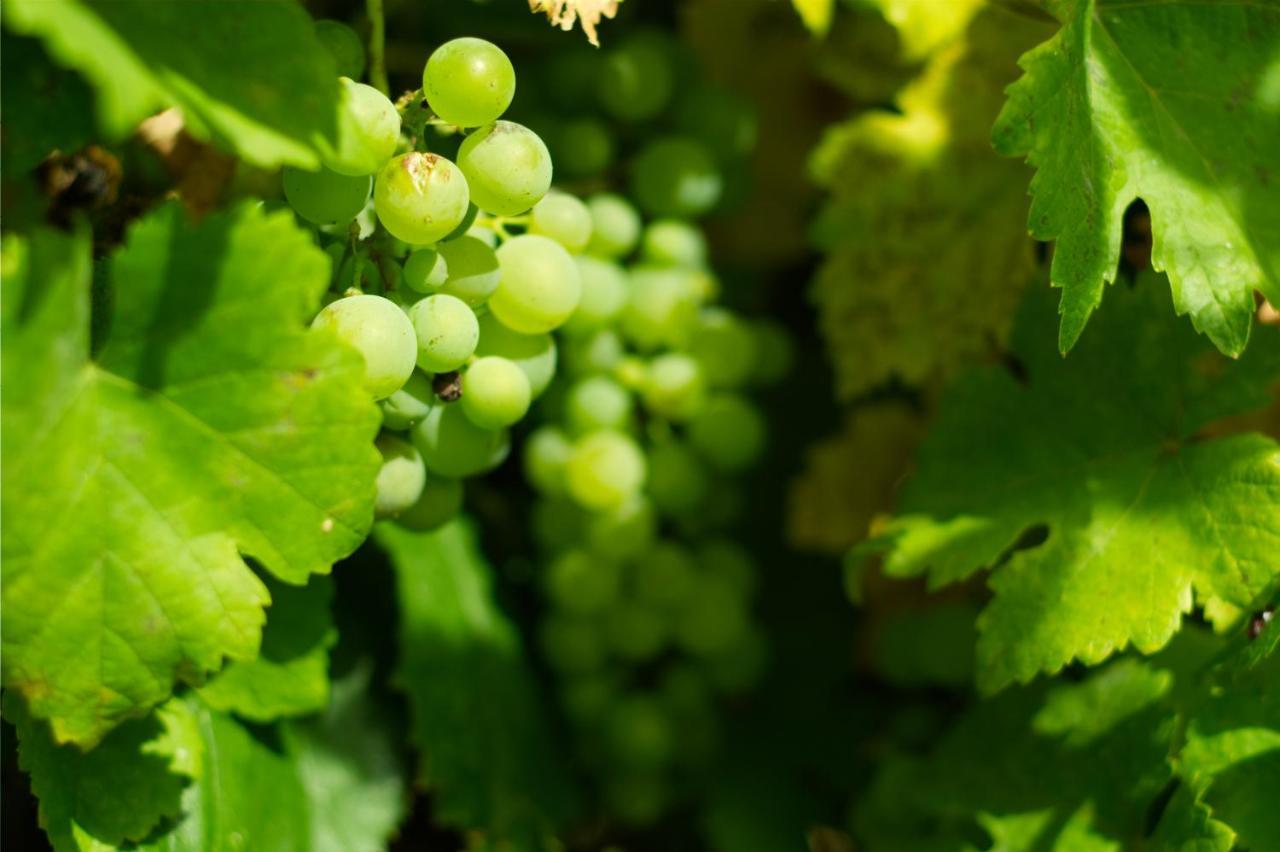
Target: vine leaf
pixel 1171 102
pixel 489 753
pixel 142 56
pixel 290 675
pixel 1143 517
pixel 208 423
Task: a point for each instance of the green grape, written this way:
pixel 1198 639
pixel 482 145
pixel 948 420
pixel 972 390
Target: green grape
pixel 670 242
pixel 713 619
pixel 425 271
pixel 546 453
pixel 540 285
pixel 377 329
pixel 447 332
pixel 508 168
pixel 420 198
pixel 666 576
pixel 473 269
pixel 724 558
pixel 637 79
pixel 674 387
pixel 582 584
pixel 571 645
pixel 662 308
pixel 597 402
pixel 563 218
pixel 604 294
pixel 324 197
pixel 729 431
pixel 400 479
pixel 632 372
pixel 606 470
pixel 615 226
pixel 725 347
pixel 677 479
pixel 454 447
pixel 774 352
pixel 675 176
pixel 495 392
pixel 441 501
pixel 368 130
pixel 582 148
pixel 467 223
pixel 484 234
pixel 469 82
pixel 409 404
pixel 344 45
pixel 533 353
pixel 598 352
pixel 718 118
pixel 622 532
pixel 557 524
pixel 635 632
pixel 357 273
pixel 638 734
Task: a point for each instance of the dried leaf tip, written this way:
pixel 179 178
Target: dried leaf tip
pixel 563 13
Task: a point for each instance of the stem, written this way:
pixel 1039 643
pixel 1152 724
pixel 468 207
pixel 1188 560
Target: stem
pixel 377 46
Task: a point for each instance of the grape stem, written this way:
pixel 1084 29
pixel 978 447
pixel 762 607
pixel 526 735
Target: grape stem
pixel 498 224
pixel 377 46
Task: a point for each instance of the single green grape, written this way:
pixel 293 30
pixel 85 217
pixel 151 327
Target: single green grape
pixel 674 387
pixel 718 118
pixel 597 402
pixel 624 532
pixel 441 501
pixel 495 392
pixel 400 479
pixel 604 294
pixel 563 218
pixel 675 177
pixel 637 79
pixel 662 308
pixel 774 352
pixel 454 447
pixel 666 576
pixel 344 45
pixel 713 619
pixel 638 733
pixel 446 330
pixel 615 226
pixel 729 431
pixel 540 285
pixel 725 558
pixel 425 271
pixel 580 583
pixel 670 242
pixel 636 632
pixel 582 148
pixel 473 269
pixel 725 347
pixel 420 198
pixel 678 481
pixel 469 82
pixel 597 352
pixel 368 130
pixel 467 223
pixel 377 329
pixel 546 452
pixel 325 197
pixel 409 404
pixel 606 470
pixel 508 168
pixel 533 353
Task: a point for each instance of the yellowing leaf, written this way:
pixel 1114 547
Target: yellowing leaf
pixel 564 13
pixel 816 14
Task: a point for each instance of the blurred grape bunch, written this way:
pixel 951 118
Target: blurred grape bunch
pixel 900 295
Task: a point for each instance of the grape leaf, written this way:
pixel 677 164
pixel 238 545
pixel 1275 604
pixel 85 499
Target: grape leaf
pixel 488 750
pixel 118 792
pixel 290 675
pixel 222 63
pixel 1101 449
pixel 898 294
pixel 1171 102
pixel 208 421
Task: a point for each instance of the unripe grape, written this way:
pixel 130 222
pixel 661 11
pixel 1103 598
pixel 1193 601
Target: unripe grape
pixel 598 352
pixel 713 619
pixel 677 481
pixel 615 226
pixel 325 197
pixel 675 177
pixel 409 404
pixel 637 79
pixel 597 402
pixel 495 392
pixel 441 501
pixel 670 242
pixel 729 431
pixel 606 470
pixel 623 532
pixel 540 285
pixel 446 330
pixel 635 632
pixel 533 353
pixel 473 271
pixel 604 294
pixel 563 218
pixel 469 82
pixel 582 148
pixel 582 584
pixel 368 130
pixel 638 734
pixel 725 347
pixel 666 575
pixel 454 447
pixel 420 198
pixel 774 352
pixel 546 453
pixel 400 479
pixel 377 329
pixel 674 387
pixel 508 168
pixel 425 271
pixel 662 308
